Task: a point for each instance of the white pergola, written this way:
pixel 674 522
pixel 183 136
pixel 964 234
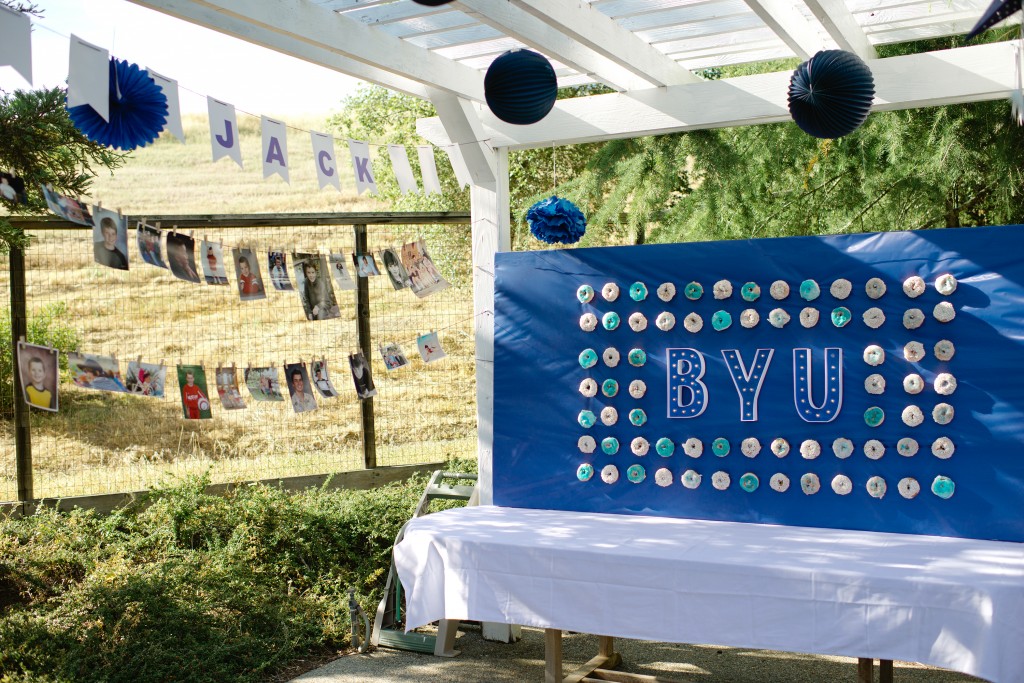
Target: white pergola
pixel 648 51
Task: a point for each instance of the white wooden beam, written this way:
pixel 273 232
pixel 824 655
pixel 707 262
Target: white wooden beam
pixel 491 234
pixel 304 21
pixel 965 74
pixel 549 40
pixel 843 28
pixel 461 122
pixel 783 17
pixel 204 16
pixel 595 30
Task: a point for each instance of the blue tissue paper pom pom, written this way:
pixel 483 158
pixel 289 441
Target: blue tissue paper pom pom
pixel 555 220
pixel 138 110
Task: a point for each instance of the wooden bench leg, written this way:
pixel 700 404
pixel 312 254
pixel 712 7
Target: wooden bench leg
pixel 552 655
pixel 865 670
pixel 885 671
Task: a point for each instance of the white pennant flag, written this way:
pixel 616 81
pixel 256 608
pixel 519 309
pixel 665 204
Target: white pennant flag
pixel 16 41
pixel 428 169
pixel 462 174
pixel 89 77
pixel 360 152
pixel 275 148
pixel 324 160
pixel 170 89
pixel 402 168
pixel 224 131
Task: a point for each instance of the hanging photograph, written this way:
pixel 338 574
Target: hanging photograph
pixel 227 389
pixel 195 401
pixel 263 384
pixel 181 257
pixel 277 263
pixel 361 375
pixel 145 379
pixel 110 239
pixel 342 277
pixel 396 271
pixel 95 372
pixel 299 388
pixel 148 240
pixel 213 263
pixel 424 276
pixel 315 289
pixel 247 268
pixel 38 368
pixel 322 380
pixel 66 207
pixel 393 356
pixel 365 265
pixel 430 347
pixel 12 188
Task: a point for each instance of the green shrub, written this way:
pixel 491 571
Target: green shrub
pixel 46 327
pixel 189 586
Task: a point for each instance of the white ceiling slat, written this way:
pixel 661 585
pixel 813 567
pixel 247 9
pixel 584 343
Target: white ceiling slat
pixel 426 24
pixel 745 56
pixel 204 16
pixel 302 20
pixel 684 15
pixel 722 26
pixel 466 35
pixel 601 34
pixel 785 19
pixel 966 74
pixel 548 40
pixel 841 25
pixel 386 14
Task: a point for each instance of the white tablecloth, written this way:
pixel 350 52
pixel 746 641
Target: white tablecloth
pixel 949 602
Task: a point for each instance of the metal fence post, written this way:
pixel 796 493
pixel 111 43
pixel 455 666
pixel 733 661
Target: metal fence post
pixel 19 328
pixel 369 430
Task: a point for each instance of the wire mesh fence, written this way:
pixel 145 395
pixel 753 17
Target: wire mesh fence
pixel 102 442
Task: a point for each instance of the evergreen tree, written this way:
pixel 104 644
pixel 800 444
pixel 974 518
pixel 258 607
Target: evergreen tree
pixel 40 144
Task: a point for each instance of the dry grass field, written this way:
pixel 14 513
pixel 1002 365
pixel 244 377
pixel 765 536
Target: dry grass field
pixel 101 442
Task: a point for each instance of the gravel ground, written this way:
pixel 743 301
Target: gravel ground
pixel 524 661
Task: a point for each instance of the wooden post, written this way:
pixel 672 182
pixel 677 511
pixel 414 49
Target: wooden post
pixel 22 427
pixel 885 671
pixel 369 431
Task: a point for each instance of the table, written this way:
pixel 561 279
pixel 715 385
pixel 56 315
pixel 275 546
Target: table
pixel 948 602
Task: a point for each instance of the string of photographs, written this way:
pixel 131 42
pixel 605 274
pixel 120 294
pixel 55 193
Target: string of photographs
pixel 39 370
pixel 407 267
pixel 89 83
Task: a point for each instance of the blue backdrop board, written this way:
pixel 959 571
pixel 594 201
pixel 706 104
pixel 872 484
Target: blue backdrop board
pixel 803 383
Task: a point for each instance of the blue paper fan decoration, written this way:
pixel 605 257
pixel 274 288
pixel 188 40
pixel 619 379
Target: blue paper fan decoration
pixel 555 220
pixel 830 94
pixel 138 110
pixel 520 87
pixel 996 12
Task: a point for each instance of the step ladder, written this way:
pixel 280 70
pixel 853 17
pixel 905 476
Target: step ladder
pixel 387 629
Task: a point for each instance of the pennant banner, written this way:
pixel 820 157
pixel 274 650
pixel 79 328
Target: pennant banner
pixel 403 170
pixel 224 131
pixel 170 88
pixel 275 148
pixel 325 161
pixel 16 41
pixel 360 152
pixel 428 169
pixel 89 77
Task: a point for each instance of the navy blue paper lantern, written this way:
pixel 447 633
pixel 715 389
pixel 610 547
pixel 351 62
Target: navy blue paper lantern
pixel 520 87
pixel 556 221
pixel 432 3
pixel 830 94
pixel 996 12
pixel 138 110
